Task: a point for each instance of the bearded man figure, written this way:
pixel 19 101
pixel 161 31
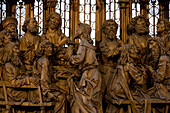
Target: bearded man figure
pixel 163 33
pixel 29 43
pixel 138 30
pixel 10 26
pixel 110 50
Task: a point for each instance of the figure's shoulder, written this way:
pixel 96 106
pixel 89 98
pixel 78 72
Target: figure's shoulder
pixel 104 41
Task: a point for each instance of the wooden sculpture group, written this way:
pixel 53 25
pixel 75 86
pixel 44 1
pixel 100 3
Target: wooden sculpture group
pixel 53 68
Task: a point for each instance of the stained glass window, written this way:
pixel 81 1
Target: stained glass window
pixel 63 8
pixel 153 17
pixel 38 14
pixel 2 10
pixel 20 15
pixel 135 8
pixel 87 14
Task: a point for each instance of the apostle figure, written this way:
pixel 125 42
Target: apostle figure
pixel 110 50
pixel 160 72
pixel 29 43
pixel 128 72
pixel 10 26
pixel 86 94
pixel 53 30
pixel 163 33
pixel 138 29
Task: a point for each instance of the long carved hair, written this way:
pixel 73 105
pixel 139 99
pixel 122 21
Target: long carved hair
pixel 86 32
pixel 131 25
pixel 26 22
pixel 167 25
pixel 60 22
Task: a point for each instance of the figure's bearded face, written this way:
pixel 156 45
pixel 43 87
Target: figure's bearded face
pixel 12 29
pixel 32 27
pixel 141 27
pixel 110 30
pixel 7 38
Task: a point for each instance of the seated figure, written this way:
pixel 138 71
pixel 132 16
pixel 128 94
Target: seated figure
pixel 128 70
pixel 13 73
pixel 160 74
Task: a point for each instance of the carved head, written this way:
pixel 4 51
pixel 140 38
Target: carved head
pixel 85 31
pixel 45 48
pixel 163 26
pixel 10 24
pixel 109 28
pixel 54 21
pixel 11 53
pixel 30 25
pixel 139 25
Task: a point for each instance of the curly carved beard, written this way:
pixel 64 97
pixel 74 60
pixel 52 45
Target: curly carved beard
pixel 111 34
pixel 33 30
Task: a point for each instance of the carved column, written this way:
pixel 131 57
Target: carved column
pixel 74 17
pixel 29 8
pixel 100 18
pixel 123 19
pixel 130 10
pixel 164 9
pixel 144 8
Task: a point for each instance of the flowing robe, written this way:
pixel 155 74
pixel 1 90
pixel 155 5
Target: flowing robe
pixel 86 94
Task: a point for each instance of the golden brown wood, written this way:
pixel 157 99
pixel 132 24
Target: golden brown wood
pixel 6 99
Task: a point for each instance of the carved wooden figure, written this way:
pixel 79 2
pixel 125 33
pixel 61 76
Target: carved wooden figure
pixel 10 26
pixel 138 30
pixel 110 50
pixel 86 94
pixel 29 43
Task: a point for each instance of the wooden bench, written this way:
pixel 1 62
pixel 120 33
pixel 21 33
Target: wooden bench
pixel 148 104
pixel 8 104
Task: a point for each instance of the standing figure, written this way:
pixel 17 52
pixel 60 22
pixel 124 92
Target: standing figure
pixel 138 29
pixel 163 33
pixel 110 50
pixel 29 43
pixel 87 97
